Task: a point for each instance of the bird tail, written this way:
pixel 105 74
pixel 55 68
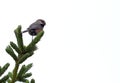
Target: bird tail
pixel 24 31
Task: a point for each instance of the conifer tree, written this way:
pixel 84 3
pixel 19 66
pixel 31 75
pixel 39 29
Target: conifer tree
pixel 19 53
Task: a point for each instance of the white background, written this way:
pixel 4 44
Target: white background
pixel 81 43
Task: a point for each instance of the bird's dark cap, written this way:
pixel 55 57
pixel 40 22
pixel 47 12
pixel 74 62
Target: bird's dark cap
pixel 41 21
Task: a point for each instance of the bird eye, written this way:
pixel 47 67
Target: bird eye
pixel 42 25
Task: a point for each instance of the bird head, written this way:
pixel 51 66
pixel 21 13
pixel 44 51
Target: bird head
pixel 42 22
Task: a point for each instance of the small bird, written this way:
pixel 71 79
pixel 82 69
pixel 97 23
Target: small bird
pixel 35 27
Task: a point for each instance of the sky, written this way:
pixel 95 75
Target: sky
pixel 81 43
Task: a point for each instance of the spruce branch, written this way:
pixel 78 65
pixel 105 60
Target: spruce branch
pixel 15 47
pixel 21 55
pixel 10 51
pixel 32 45
pixel 2 71
pixel 4 79
pixel 4 68
pixel 24 57
pixel 15 73
pixel 18 35
pixel 32 81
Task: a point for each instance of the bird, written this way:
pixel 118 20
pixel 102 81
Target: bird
pixel 35 27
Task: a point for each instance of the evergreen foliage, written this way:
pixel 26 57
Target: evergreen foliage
pixel 20 53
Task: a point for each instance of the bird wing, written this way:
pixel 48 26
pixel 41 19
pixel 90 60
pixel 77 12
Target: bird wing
pixel 35 26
